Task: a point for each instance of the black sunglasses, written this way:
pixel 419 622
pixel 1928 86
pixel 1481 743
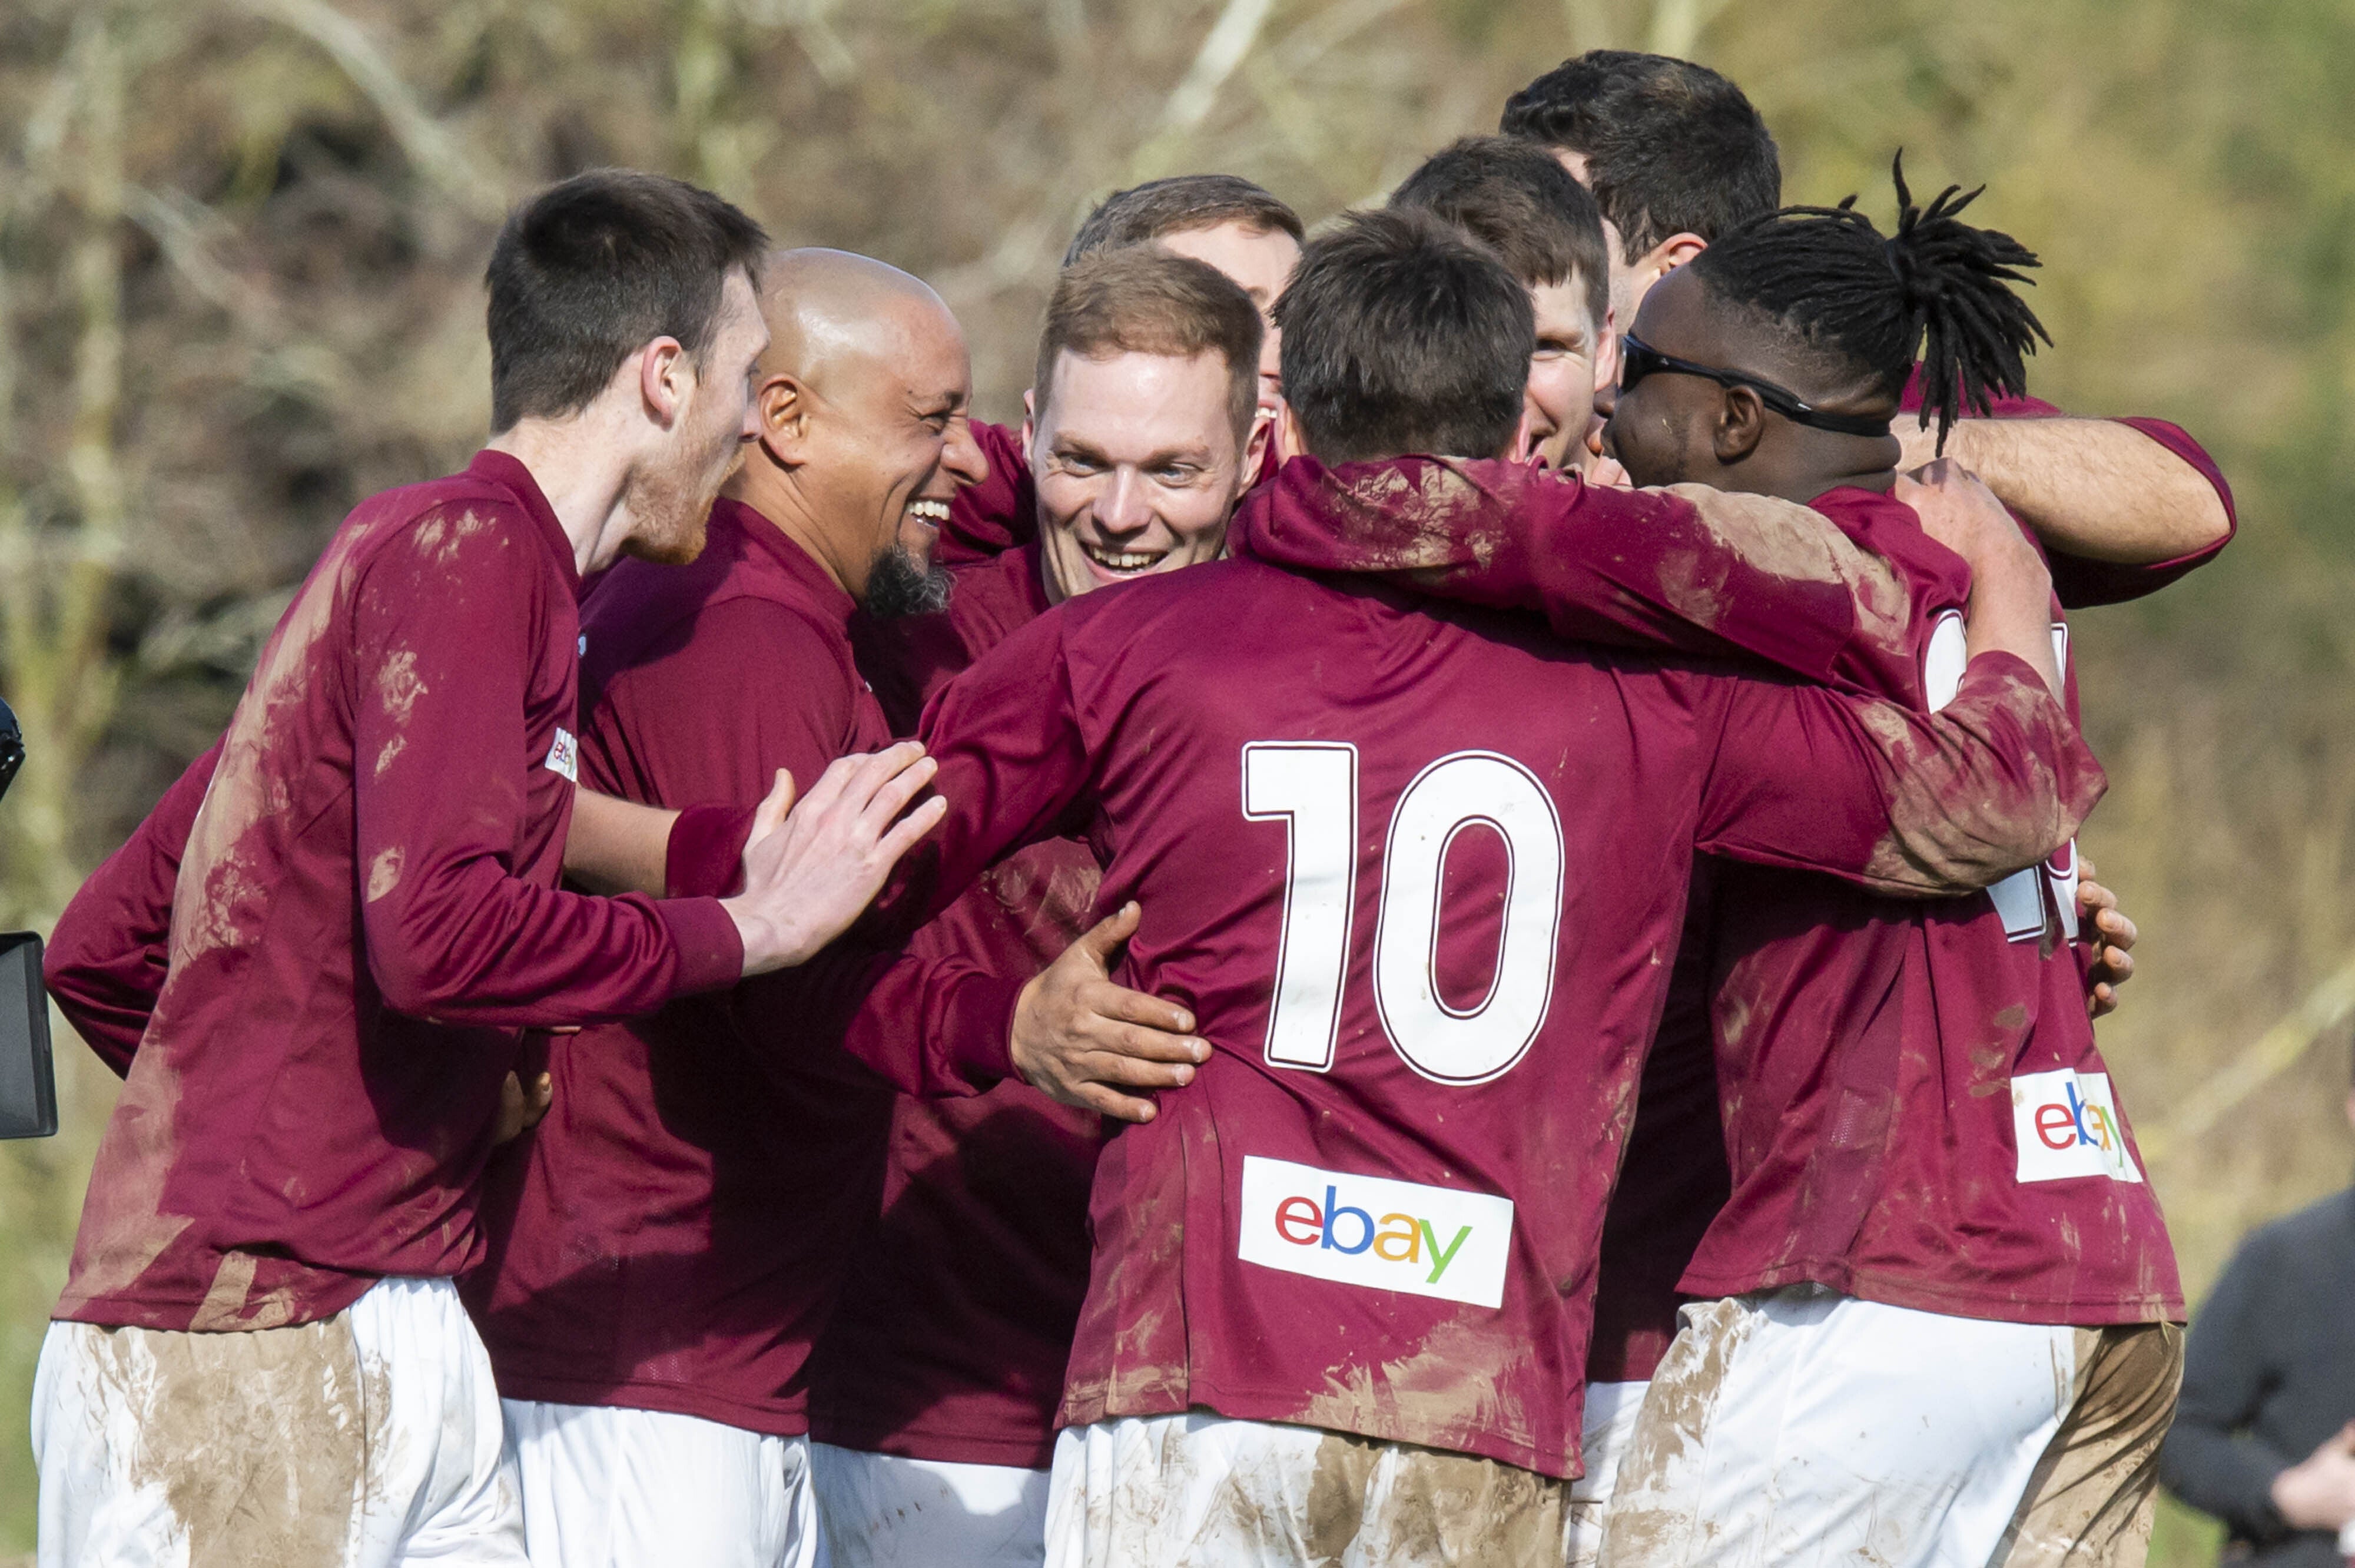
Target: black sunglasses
pixel 1638 359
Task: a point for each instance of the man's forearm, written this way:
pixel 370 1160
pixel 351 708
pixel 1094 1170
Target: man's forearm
pixel 617 845
pixel 2091 488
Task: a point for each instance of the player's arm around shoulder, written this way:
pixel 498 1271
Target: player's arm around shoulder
pixel 2128 504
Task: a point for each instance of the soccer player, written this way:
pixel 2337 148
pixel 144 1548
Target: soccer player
pixel 260 1354
pixel 1948 1324
pixel 934 1400
pixel 1512 196
pixel 1222 219
pixel 1414 874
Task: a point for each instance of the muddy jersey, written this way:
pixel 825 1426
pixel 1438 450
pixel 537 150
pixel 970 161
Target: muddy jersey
pixel 960 1306
pixel 1419 875
pixel 365 921
pixel 1887 1070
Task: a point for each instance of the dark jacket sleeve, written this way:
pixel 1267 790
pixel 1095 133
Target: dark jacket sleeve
pixel 2210 1460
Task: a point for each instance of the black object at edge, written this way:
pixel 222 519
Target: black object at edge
pixel 29 1085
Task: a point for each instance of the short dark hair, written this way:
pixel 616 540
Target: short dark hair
pixel 1402 334
pixel 592 270
pixel 1937 286
pixel 1671 147
pixel 1141 299
pixel 1179 205
pixel 1515 197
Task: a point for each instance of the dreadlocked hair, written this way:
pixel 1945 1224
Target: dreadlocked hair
pixel 1937 290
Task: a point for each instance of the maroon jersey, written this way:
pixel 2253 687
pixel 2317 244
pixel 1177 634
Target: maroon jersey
pixel 112 946
pixel 674 1235
pixel 1419 874
pixel 365 920
pixel 960 1308
pixel 1888 1069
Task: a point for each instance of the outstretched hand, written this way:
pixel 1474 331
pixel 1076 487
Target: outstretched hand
pixel 1082 1040
pixel 813 865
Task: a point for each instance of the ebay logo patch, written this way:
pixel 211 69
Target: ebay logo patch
pixel 1366 1230
pixel 2066 1124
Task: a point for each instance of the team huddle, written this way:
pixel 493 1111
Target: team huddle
pixel 1434 919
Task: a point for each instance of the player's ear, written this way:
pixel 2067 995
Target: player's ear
pixel 1668 255
pixel 1741 425
pixel 782 407
pixel 1029 416
pixel 666 377
pixel 1263 431
pixel 1606 352
pixel 1288 444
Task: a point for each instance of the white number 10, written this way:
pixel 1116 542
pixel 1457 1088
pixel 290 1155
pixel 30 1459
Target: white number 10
pixel 1313 788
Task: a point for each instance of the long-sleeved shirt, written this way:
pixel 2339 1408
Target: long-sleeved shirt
pixel 365 921
pixel 2268 1373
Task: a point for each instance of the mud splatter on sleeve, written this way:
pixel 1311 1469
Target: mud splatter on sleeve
pixel 441 627
pixel 105 961
pixel 1689 570
pixel 1899 801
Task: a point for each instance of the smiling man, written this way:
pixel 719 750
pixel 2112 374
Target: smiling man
pixel 671 1239
pixel 1517 200
pixel 934 1396
pixel 1223 220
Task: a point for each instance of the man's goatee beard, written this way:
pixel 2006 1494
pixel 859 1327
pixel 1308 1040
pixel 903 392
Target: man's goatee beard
pixel 897 586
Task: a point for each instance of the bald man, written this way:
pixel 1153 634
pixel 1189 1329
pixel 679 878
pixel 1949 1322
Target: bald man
pixel 667 1244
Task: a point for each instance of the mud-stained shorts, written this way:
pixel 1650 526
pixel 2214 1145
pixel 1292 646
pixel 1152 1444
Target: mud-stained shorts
pixel 370 1439
pixel 886 1510
pixel 605 1487
pixel 1805 1427
pixel 1202 1491
pixel 1605 1429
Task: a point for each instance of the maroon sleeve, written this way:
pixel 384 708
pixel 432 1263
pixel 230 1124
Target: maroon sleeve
pixel 1014 768
pixel 443 641
pixel 933 1020
pixel 2080 583
pixel 104 963
pixel 1002 511
pixel 1899 801
pixel 1732 576
pixel 704 857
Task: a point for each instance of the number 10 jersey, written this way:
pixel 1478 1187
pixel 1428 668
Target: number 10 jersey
pixel 1420 873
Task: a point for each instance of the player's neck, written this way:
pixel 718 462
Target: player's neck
pixel 583 470
pixel 769 490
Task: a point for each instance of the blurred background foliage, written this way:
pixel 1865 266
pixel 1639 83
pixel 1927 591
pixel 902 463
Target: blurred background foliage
pixel 240 243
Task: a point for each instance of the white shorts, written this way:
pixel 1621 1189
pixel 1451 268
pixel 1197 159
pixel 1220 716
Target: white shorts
pixel 1603 1431
pixel 1201 1491
pixel 885 1510
pixel 370 1439
pixel 1803 1427
pixel 608 1487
